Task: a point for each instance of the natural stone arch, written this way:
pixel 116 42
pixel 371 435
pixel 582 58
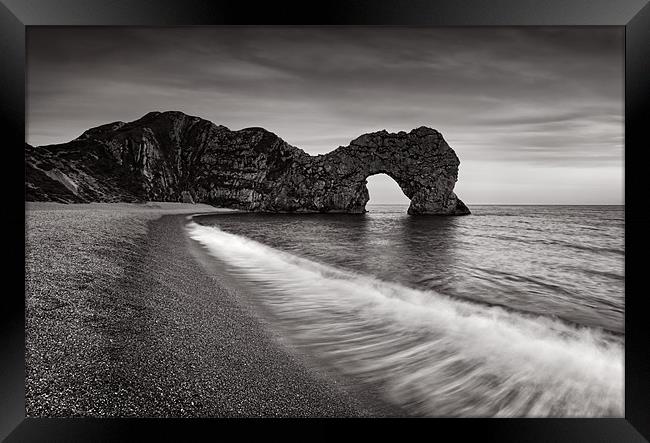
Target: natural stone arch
pixel 421 162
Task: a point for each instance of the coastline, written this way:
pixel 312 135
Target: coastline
pixel 123 320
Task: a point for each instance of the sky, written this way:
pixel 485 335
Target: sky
pixel 535 114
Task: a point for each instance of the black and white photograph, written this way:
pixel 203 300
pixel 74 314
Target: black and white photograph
pixel 325 221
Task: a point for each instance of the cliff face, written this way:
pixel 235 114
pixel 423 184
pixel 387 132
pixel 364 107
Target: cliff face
pixel 171 156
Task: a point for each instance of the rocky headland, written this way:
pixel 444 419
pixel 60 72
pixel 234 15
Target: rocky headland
pixel 171 156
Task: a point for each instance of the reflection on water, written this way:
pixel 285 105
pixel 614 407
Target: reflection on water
pixel 510 312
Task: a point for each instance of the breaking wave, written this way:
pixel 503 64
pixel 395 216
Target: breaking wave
pixel 430 354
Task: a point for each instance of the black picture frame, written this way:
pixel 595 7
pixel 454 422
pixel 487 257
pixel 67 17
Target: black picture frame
pixel 634 15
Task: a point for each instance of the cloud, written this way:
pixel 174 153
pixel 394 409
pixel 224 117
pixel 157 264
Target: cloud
pixel 541 97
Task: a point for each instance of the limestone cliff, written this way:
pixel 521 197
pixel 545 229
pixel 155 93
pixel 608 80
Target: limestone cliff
pixel 171 156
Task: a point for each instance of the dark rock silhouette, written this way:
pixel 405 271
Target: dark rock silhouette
pixel 171 156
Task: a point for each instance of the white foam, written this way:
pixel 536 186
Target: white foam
pixel 432 354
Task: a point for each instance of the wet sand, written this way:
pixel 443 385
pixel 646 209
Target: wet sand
pixel 123 319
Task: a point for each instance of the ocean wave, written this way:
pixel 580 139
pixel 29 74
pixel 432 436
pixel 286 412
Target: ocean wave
pixel 431 354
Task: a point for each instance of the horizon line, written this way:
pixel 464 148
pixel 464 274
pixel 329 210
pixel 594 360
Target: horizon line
pixel 519 204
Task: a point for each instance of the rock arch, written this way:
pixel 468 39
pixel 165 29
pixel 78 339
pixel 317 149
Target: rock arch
pixel 421 162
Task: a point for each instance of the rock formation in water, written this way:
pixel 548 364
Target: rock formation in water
pixel 170 156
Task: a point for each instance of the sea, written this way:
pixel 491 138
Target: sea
pixel 512 311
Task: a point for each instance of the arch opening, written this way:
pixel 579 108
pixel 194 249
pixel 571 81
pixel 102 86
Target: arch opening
pixel 384 190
